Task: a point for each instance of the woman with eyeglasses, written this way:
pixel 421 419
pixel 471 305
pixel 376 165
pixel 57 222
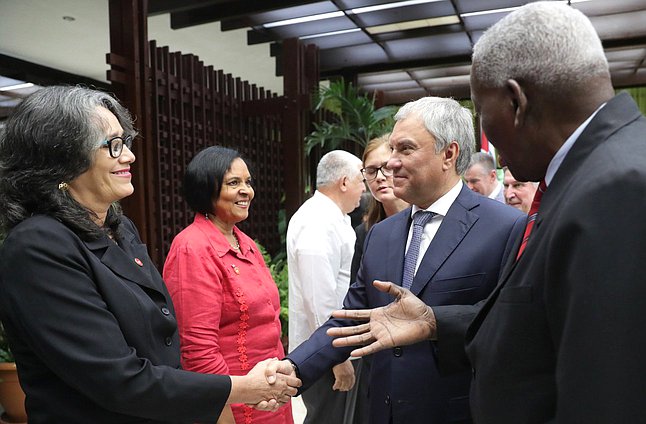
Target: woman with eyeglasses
pixel 88 317
pixel 383 204
pixel 380 183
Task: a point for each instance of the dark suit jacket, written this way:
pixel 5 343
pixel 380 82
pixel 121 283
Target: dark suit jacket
pixel 94 333
pixel 361 232
pixel 561 339
pixel 461 266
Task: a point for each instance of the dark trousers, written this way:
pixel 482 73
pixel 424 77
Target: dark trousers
pixel 324 405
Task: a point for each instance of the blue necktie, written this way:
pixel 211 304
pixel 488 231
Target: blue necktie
pixel 420 219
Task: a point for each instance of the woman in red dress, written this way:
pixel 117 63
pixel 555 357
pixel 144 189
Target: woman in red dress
pixel 226 301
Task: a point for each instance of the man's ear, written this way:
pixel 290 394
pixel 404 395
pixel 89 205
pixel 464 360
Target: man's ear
pixel 343 184
pixel 451 155
pixel 518 100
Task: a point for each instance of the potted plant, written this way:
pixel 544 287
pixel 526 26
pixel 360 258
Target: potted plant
pixel 350 116
pixel 12 397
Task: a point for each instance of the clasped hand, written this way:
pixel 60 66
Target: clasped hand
pixel 273 382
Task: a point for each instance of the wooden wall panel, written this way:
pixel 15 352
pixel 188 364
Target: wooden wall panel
pixel 195 106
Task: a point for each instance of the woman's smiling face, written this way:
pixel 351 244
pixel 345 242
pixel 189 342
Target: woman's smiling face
pixel 236 194
pixel 108 179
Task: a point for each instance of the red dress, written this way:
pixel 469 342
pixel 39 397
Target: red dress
pixel 227 308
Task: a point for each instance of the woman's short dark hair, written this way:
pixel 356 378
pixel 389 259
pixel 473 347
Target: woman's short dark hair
pixel 50 139
pixel 204 175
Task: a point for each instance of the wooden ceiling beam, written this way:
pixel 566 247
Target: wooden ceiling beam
pixel 234 12
pixel 42 75
pixel 399 65
pixel 159 7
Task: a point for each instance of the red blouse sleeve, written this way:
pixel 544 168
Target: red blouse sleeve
pixel 195 285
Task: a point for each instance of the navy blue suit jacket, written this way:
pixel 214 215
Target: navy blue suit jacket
pixel 461 266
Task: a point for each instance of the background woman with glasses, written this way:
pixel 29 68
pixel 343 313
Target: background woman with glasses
pixel 88 317
pixel 383 204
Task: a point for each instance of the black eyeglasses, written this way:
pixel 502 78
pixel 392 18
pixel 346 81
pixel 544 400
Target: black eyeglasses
pixel 370 172
pixel 115 145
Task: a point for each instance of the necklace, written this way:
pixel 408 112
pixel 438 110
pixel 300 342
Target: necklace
pixel 237 245
pixel 234 246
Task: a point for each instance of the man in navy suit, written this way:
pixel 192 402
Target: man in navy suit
pixel 461 251
pixel 561 338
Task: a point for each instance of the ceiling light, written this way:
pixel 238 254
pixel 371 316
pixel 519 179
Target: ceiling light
pixel 303 19
pixel 489 12
pixel 367 9
pixel 420 23
pixel 506 9
pixel 327 34
pixel 16 86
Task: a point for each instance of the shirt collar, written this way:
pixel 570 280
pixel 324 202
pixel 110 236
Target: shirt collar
pixel 558 158
pixel 217 239
pixel 441 206
pixel 494 193
pixel 332 207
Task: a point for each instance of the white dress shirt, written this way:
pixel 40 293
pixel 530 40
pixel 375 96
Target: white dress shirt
pixel 557 160
pixel 320 245
pixel 497 193
pixel 440 208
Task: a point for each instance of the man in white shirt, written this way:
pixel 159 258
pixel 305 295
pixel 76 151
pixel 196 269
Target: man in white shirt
pixel 320 245
pixel 482 178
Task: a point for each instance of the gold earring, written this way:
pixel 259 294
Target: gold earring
pixel 63 186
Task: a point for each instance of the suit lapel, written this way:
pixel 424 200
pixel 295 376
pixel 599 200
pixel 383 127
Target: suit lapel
pixel 509 266
pixel 397 246
pixel 124 261
pixel 455 226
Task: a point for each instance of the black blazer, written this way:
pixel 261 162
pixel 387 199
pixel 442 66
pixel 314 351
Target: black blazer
pixel 461 266
pixel 93 331
pixel 561 339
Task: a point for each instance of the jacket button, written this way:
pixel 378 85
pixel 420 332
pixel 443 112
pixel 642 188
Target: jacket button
pixel 165 310
pixel 387 399
pixel 397 351
pixel 168 341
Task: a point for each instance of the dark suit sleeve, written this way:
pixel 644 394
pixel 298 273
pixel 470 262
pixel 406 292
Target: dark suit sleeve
pixel 454 320
pixel 452 323
pixel 50 299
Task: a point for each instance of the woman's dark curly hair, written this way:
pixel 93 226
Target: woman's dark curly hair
pixel 50 138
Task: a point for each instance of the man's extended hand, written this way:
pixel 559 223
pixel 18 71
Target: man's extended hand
pixel 343 376
pixel 405 321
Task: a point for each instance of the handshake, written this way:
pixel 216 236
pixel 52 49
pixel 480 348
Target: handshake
pixel 267 387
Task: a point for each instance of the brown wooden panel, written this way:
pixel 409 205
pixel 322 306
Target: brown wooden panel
pixel 196 106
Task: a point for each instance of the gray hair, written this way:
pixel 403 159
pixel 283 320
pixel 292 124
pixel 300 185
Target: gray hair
pixel 483 159
pixel 548 44
pixel 51 138
pixel 335 165
pixel 447 121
